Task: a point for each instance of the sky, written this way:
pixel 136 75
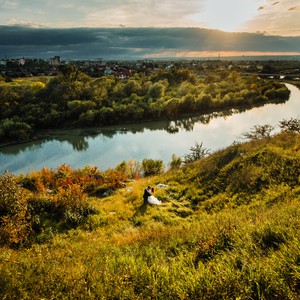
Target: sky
pixel 105 27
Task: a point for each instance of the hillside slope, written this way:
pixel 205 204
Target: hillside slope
pixel 228 228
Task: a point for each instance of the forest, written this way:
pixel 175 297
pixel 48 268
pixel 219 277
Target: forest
pixel 74 99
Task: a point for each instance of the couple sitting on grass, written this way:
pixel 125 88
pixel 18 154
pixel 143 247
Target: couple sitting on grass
pixel 149 198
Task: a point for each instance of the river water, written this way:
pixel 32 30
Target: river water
pixel 109 146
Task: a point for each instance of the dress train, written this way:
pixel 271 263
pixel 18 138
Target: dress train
pixel 153 200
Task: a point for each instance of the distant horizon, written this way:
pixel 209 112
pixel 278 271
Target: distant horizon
pixel 225 57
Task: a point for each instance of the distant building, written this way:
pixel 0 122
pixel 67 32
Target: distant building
pixel 22 61
pixel 55 61
pixel 108 72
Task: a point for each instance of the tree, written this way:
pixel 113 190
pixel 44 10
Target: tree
pixel 157 90
pixel 152 167
pixel 291 124
pixel 37 86
pixel 175 163
pixel 69 72
pixel 259 132
pixel 132 86
pixel 130 168
pixel 77 106
pixel 14 129
pixel 197 153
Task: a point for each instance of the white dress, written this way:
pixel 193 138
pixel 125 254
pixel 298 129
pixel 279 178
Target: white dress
pixel 153 200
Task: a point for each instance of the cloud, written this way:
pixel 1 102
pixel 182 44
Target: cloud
pixel 247 15
pixel 276 18
pixel 149 13
pixel 9 4
pixel 228 15
pixel 15 22
pixel 124 43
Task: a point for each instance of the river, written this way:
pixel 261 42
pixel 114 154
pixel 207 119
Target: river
pixel 107 147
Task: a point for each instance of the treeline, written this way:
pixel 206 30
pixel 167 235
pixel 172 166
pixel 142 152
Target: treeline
pixel 74 99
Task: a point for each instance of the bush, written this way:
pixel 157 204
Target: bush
pixel 152 167
pixel 175 163
pixel 14 226
pixel 14 129
pixel 157 90
pixel 31 212
pixel 259 132
pixel 68 208
pixel 291 124
pixel 130 168
pixel 197 153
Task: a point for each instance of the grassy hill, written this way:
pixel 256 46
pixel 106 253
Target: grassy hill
pixel 228 228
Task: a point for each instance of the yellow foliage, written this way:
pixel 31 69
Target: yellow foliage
pixel 36 86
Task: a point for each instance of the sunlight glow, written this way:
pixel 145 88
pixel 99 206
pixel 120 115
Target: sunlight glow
pixel 229 15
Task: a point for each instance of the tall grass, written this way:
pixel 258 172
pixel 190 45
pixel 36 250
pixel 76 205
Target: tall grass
pixel 206 241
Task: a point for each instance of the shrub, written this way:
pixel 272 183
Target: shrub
pixel 259 132
pixel 157 90
pixel 197 153
pixel 175 163
pixel 291 124
pixel 68 208
pixel 15 129
pixel 152 167
pixel 14 226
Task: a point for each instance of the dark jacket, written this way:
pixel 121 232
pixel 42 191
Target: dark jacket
pixel 146 195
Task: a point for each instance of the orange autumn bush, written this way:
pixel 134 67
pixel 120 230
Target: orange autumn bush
pixel 91 180
pixel 15 226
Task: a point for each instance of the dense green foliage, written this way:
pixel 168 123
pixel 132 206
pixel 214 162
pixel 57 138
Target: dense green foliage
pixel 228 228
pixel 75 99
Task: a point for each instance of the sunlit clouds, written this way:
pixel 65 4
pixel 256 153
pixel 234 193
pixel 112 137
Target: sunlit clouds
pixel 277 18
pixel 269 16
pixel 149 28
pixel 229 15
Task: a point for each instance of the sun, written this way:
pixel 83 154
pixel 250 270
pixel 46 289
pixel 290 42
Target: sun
pixel 228 15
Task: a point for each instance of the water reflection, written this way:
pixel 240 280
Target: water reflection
pixel 79 142
pixel 78 138
pixel 108 146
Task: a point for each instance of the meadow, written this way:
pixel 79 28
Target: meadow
pixel 228 228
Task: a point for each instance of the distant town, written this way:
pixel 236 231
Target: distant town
pixel 28 67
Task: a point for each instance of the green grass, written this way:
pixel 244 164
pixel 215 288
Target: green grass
pixel 228 228
pixel 28 81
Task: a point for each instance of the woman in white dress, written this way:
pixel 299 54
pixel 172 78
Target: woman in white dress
pixel 153 200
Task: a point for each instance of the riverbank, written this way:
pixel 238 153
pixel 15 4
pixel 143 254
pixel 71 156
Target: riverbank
pixel 108 146
pixel 82 101
pixel 51 133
